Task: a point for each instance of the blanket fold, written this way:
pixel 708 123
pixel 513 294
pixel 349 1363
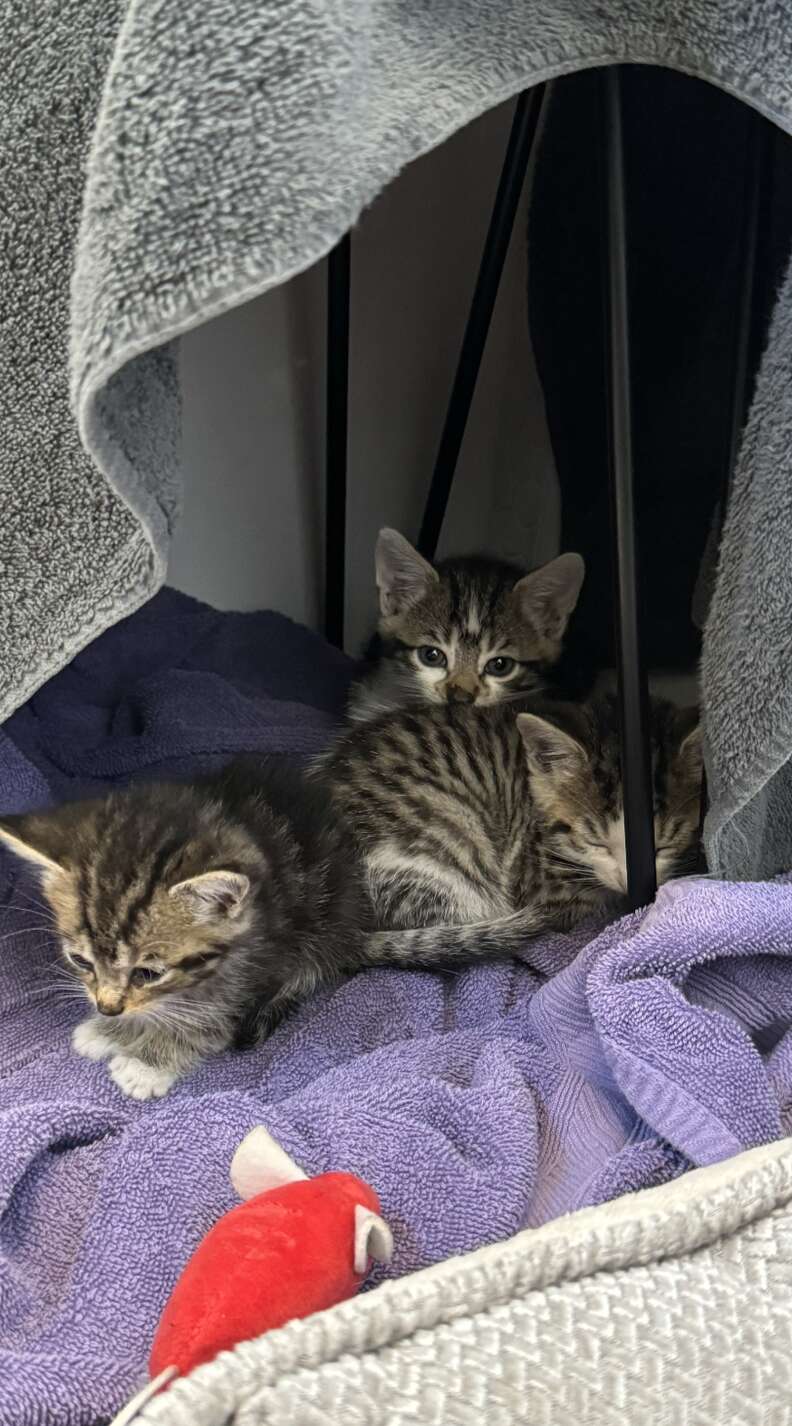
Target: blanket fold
pixel 233 144
pixel 476 1103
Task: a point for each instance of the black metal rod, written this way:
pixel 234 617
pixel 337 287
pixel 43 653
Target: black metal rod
pixel 337 415
pixel 507 198
pixel 633 689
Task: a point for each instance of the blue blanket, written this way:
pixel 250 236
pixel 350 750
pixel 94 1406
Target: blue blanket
pixel 476 1104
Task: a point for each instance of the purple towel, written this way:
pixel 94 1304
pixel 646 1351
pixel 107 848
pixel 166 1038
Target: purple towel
pixel 475 1103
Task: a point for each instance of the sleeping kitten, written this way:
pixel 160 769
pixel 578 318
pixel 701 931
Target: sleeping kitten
pixel 471 630
pixel 473 815
pixel 193 915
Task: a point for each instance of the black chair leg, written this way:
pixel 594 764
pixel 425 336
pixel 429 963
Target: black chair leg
pixel 338 286
pixel 633 688
pixel 507 198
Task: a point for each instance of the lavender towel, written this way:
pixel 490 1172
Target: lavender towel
pixel 475 1103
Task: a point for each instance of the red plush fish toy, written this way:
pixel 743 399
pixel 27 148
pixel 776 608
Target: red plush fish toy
pixel 297 1245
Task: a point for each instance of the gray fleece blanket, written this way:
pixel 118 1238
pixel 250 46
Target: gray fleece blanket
pixel 234 142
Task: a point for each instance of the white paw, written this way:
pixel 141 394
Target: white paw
pixel 89 1039
pixel 140 1081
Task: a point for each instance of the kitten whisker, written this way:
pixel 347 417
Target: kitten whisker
pixel 39 931
pixel 39 902
pixel 28 916
pixel 25 916
pixel 572 864
pixel 34 909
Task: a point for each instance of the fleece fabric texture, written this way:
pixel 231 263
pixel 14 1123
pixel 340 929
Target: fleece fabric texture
pixel 235 142
pixel 475 1104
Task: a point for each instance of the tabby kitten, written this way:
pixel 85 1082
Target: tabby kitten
pixel 472 815
pixel 471 630
pixel 193 915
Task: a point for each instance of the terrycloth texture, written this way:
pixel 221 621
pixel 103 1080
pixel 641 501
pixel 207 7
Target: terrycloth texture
pixel 662 1308
pixel 236 141
pixel 746 665
pixel 475 1104
pixel 72 557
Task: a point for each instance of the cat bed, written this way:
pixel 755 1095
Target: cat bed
pixel 667 1306
pixel 476 1104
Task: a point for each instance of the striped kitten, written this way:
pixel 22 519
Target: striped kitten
pixel 471 630
pixel 468 815
pixel 193 915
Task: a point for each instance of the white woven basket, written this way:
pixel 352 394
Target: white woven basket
pixel 670 1306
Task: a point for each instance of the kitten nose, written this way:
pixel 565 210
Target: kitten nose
pixel 109 1007
pixel 457 694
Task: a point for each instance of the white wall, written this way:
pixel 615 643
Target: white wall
pixel 251 533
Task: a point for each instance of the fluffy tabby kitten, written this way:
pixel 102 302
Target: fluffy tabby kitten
pixel 193 914
pixel 468 815
pixel 471 630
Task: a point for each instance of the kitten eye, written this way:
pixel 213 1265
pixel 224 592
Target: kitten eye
pixel 144 975
pixel 80 962
pixel 499 667
pixel 432 657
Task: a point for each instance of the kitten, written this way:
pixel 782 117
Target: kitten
pixel 478 815
pixel 471 630
pixel 193 915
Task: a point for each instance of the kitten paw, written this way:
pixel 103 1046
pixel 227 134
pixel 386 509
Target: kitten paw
pixel 140 1081
pixel 90 1040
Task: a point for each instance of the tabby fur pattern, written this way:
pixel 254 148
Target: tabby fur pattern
pixel 470 630
pixel 194 915
pixel 510 815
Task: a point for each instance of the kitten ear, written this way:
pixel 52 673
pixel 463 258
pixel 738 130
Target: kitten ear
pixel 213 894
pixel 35 840
pixel 403 576
pixel 690 755
pixel 547 596
pixel 549 750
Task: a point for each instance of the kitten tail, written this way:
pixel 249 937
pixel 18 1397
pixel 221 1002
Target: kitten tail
pixel 440 946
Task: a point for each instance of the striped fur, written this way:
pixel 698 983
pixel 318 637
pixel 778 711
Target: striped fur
pixel 193 915
pixel 474 614
pixel 507 819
